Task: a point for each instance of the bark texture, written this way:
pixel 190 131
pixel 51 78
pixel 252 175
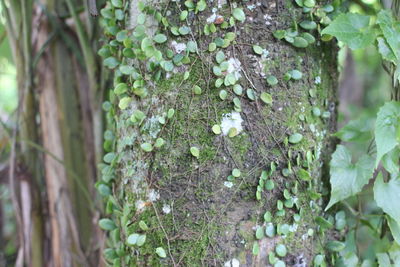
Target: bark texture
pixel 53 161
pixel 185 201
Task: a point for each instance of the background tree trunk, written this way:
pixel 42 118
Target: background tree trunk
pixel 57 138
pixel 186 201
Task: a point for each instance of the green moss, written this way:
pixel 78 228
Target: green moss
pixel 246 230
pixel 189 238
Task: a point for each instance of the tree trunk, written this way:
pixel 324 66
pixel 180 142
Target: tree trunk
pixel 56 143
pixel 203 193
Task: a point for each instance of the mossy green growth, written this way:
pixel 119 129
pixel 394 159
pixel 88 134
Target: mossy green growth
pixel 189 237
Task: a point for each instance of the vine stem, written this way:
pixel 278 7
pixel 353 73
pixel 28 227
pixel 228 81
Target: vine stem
pixel 166 236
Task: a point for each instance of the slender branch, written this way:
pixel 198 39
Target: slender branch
pixel 86 48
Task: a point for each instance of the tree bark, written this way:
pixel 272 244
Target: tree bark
pixel 56 142
pixel 192 211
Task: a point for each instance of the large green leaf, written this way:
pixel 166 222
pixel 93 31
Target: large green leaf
pixel 347 179
pixel 394 253
pixel 385 50
pixel 394 228
pixel 387 196
pixel 386 129
pixel 356 130
pixel 352 29
pixel 383 260
pixel 390 161
pixel 390 29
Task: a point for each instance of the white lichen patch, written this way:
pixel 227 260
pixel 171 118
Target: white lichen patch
pixel 228 184
pixel 231 120
pixel 140 204
pixel 267 19
pixel 251 7
pixel 153 195
pixel 261 64
pixel 211 18
pixel 293 228
pixel 234 66
pixel 178 47
pixel 153 126
pixel 232 263
pixel 166 208
pixel 134 12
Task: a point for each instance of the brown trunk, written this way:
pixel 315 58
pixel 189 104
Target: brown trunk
pixel 195 209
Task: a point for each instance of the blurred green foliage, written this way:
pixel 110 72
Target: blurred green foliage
pixel 8 85
pixel 367 233
pixel 8 104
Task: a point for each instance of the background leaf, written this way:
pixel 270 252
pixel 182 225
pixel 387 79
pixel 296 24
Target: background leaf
pixel 390 29
pixel 387 196
pixel 394 228
pixel 347 179
pixel 356 130
pixel 386 128
pixel 352 29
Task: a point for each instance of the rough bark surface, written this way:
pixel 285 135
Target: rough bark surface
pixel 185 200
pixel 52 167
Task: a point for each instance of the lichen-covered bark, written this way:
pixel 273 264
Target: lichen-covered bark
pixel 194 208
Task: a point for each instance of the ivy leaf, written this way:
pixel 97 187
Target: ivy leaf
pixel 201 5
pixel 256 248
pixel 281 250
pixel 124 102
pixel 272 80
pixel 216 129
pixel 238 14
pixel 117 3
pixel 184 30
pixel 260 232
pixel 300 42
pixel 390 29
pixel 308 25
pixel 386 128
pixel 387 196
pixel 159 142
pixel 347 179
pixel 107 224
pixel 296 75
pixel 132 239
pixel 236 173
pixel 335 246
pixel 195 152
pixel 352 29
pixel 127 70
pixel 111 62
pixel 220 56
pixel 161 252
pixel 141 240
pixel 183 15
pixel 160 38
pixel 257 49
pixel 266 98
pixel 143 226
pixel 295 138
pixel 146 147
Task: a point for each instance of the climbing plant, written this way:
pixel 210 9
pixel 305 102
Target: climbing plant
pixel 137 53
pixel 380 160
